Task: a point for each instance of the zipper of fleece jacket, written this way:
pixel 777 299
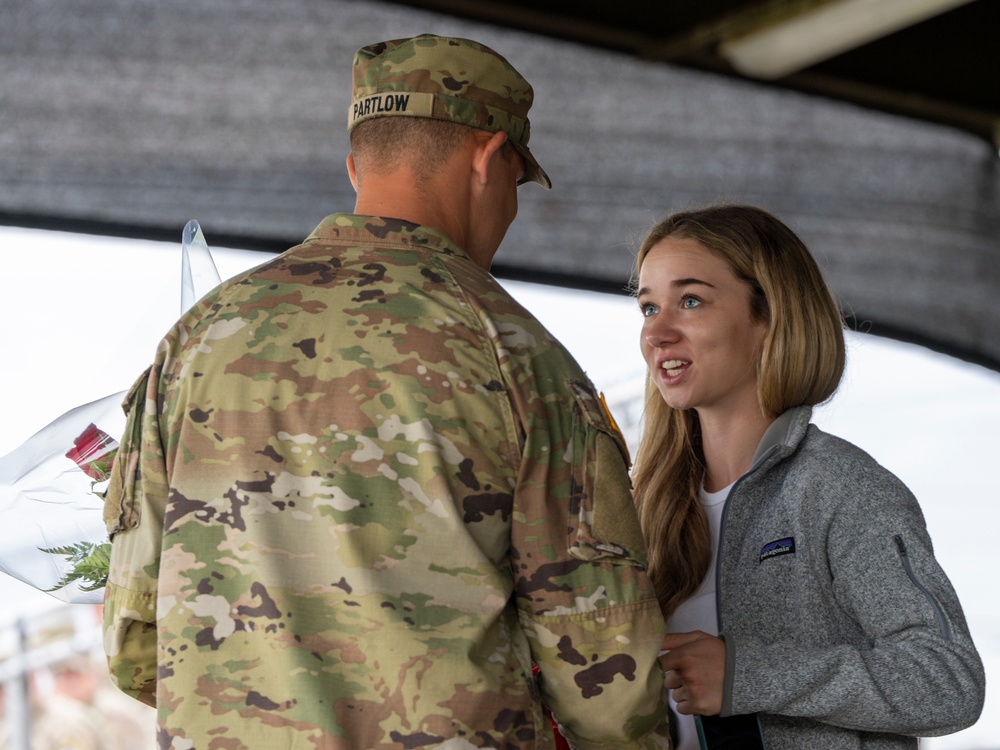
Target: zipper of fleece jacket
pixel 722 534
pixel 939 614
pixel 718 564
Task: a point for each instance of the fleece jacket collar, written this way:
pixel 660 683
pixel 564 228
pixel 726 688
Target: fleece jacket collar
pixel 784 434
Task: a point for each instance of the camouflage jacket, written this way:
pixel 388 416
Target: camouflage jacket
pixel 361 491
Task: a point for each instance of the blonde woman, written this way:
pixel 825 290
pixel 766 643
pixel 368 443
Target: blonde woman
pixel 805 606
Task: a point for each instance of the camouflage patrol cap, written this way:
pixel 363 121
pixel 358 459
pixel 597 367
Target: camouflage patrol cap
pixel 445 78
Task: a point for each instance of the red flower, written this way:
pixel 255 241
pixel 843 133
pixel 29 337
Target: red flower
pixel 561 743
pixel 94 451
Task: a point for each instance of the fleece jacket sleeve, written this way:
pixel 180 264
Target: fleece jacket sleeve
pixel 887 646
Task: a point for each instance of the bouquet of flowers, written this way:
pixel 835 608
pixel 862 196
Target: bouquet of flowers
pixel 93 451
pixel 51 486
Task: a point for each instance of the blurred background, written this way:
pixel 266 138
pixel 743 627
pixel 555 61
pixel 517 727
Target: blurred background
pixel 125 119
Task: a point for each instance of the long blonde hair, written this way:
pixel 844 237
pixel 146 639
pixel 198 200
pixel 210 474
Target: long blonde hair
pixel 801 363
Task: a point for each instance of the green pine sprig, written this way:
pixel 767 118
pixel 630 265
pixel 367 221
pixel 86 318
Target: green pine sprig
pixel 90 563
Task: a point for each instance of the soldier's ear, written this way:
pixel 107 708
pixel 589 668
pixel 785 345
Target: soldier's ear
pixel 352 171
pixel 487 148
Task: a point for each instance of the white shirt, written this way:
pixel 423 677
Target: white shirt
pixel 699 611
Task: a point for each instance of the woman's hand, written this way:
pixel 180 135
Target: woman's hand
pixel 695 665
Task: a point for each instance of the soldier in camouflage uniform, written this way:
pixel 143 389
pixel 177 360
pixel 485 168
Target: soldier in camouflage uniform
pixel 362 491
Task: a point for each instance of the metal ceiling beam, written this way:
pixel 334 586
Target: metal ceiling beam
pixel 706 37
pixel 776 50
pixel 709 47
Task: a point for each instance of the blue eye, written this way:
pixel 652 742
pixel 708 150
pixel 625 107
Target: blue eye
pixel 647 310
pixel 689 302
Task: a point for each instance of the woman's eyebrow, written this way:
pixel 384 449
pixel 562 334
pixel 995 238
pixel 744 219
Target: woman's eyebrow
pixel 677 283
pixel 688 282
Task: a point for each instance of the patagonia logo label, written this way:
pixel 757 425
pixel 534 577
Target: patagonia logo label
pixel 777 548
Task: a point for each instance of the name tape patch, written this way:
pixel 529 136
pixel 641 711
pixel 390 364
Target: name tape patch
pixel 777 548
pixel 418 104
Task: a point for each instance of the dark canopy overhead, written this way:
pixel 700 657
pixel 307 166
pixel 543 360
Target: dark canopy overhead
pixel 132 116
pixel 936 60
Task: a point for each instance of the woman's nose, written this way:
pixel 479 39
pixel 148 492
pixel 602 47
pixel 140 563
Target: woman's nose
pixel 660 330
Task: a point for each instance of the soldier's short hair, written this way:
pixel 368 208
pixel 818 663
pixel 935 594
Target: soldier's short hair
pixel 382 145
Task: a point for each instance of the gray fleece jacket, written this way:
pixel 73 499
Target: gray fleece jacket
pixel 842 631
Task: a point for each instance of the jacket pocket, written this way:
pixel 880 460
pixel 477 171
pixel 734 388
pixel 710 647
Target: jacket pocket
pixel 121 506
pixel 603 523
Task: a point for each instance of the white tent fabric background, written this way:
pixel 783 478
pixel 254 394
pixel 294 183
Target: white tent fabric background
pixel 82 316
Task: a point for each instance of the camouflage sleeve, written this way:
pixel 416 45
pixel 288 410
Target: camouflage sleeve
pixel 133 515
pixel 589 609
